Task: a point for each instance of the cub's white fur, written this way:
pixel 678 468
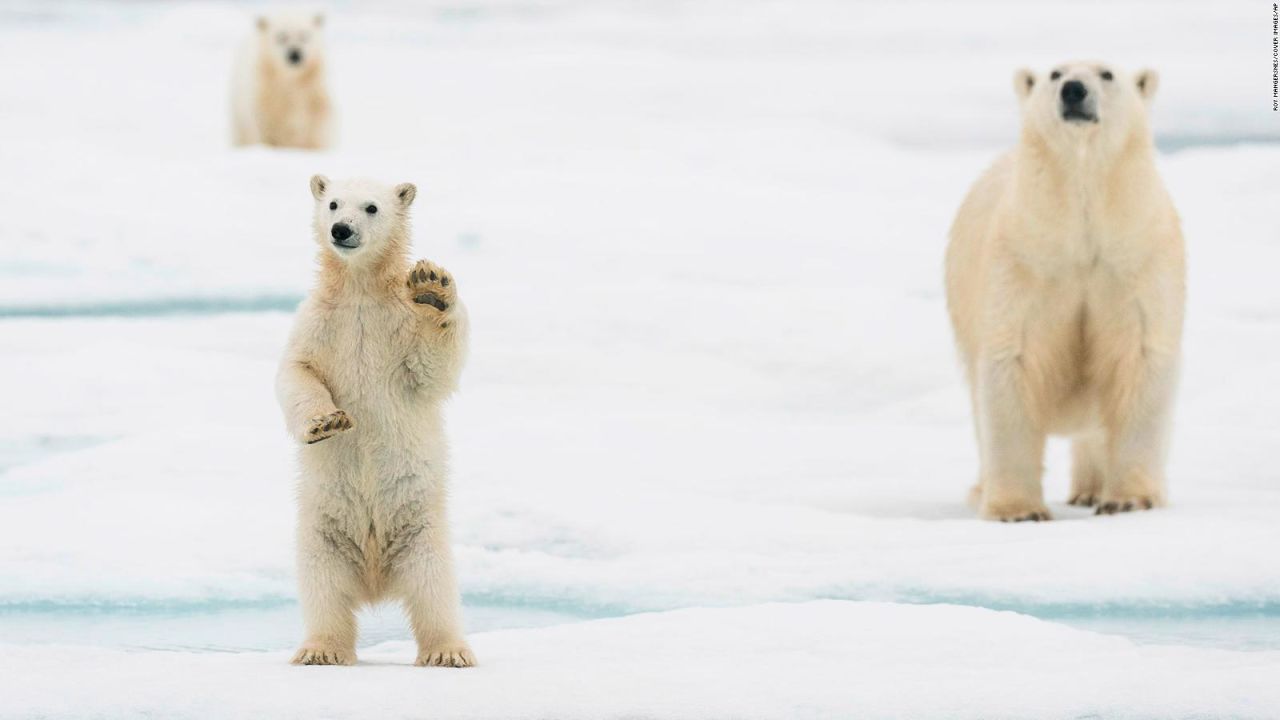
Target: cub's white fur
pixel 375 351
pixel 1065 283
pixel 279 95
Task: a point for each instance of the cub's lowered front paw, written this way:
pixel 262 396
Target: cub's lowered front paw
pixel 432 286
pixel 324 427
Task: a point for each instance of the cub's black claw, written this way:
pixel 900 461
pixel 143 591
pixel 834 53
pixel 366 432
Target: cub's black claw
pixel 432 300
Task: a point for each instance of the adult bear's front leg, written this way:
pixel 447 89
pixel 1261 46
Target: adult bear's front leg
pixel 1011 444
pixel 1140 365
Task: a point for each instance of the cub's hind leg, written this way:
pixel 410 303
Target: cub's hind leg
pixel 419 566
pixel 330 586
pixel 329 595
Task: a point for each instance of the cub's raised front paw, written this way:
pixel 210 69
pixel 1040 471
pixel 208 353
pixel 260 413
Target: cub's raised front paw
pixel 314 654
pixel 324 427
pixel 456 655
pixel 1113 506
pixel 432 286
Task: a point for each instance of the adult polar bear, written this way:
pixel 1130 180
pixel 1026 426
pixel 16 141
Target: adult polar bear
pixel 375 350
pixel 279 95
pixel 1065 283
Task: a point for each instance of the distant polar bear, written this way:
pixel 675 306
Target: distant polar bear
pixel 1065 283
pixel 279 96
pixel 375 351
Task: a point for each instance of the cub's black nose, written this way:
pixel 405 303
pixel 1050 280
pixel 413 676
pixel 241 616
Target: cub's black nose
pixel 340 231
pixel 295 56
pixel 1073 91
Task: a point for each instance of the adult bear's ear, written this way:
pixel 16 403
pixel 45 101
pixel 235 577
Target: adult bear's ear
pixel 1023 82
pixel 1148 81
pixel 405 193
pixel 319 184
pixel 262 23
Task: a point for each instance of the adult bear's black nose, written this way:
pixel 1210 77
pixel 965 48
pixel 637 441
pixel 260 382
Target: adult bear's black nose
pixel 340 231
pixel 1073 91
pixel 295 56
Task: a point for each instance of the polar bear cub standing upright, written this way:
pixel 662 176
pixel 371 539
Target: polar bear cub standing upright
pixel 1065 283
pixel 375 351
pixel 279 95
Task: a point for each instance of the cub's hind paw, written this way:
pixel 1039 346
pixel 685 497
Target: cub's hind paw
pixel 432 286
pixel 324 427
pixel 317 655
pixel 456 656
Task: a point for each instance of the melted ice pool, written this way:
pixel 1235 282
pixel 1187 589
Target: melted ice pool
pixel 278 626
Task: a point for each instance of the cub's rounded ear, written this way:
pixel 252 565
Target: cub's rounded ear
pixel 406 192
pixel 318 20
pixel 262 23
pixel 1023 82
pixel 1148 81
pixel 319 184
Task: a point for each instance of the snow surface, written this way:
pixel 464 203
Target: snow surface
pixel 701 243
pixel 818 659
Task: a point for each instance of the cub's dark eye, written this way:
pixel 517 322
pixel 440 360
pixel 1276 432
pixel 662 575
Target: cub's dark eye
pixel 333 205
pixel 1055 75
pixel 1106 75
pixel 372 209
